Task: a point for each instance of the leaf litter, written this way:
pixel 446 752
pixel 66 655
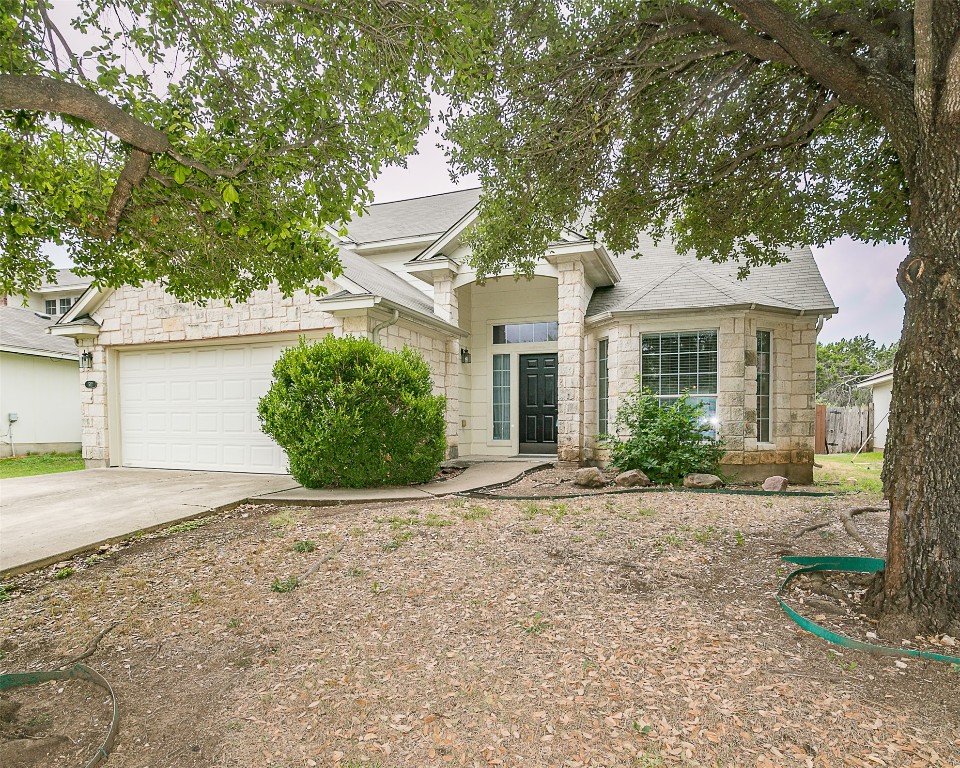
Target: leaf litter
pixel 597 631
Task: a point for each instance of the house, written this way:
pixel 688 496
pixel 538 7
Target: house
pixel 53 297
pixel 528 365
pixel 881 384
pixel 39 388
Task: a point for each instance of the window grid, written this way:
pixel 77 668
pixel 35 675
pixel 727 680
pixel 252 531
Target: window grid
pixel 65 305
pixel 603 387
pixel 525 333
pixel 763 386
pixel 674 363
pixel 501 397
pixel 50 307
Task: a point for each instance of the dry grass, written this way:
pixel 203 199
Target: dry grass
pixel 603 631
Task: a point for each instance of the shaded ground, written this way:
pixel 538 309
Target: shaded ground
pixel 602 631
pixel 42 464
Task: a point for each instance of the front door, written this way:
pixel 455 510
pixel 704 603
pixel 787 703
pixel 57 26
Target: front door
pixel 538 403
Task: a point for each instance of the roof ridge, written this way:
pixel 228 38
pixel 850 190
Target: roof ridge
pixel 721 281
pixel 642 291
pixel 424 197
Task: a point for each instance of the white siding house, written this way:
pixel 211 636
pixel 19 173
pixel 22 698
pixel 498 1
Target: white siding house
pixel 882 386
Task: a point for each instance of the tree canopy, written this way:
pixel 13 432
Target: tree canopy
pixel 698 119
pixel 842 365
pixel 207 144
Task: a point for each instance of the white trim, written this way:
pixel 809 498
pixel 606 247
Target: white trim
pixel 449 236
pixel 392 243
pixel 31 352
pixel 86 304
pixel 878 378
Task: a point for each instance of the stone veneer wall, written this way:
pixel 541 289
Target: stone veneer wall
pixel 790 451
pixel 572 297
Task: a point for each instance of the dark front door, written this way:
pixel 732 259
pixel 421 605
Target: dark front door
pixel 538 403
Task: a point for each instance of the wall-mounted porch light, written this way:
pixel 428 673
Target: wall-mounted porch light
pixel 86 360
pixel 465 356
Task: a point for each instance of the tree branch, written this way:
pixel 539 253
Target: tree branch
pixel 134 172
pixel 950 101
pixel 34 93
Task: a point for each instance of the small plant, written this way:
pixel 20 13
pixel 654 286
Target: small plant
pixel 649 760
pixel 355 572
pixel 396 542
pixel 285 585
pixel 558 512
pixel 5 593
pixel 377 587
pixel 665 441
pixel 282 520
pixel 304 546
pixel 530 510
pixel 433 520
pixel 474 512
pixel 189 525
pixel 195 597
pixel 94 559
pixel 535 624
pixel 233 623
pixel 358 533
pixel 704 535
pixel 740 538
pixel 827 535
pixel 63 573
pixel 643 730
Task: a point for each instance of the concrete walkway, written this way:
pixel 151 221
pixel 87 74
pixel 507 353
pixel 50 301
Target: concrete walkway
pixel 478 475
pixel 47 518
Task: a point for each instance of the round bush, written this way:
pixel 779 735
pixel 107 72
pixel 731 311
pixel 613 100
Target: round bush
pixel 352 414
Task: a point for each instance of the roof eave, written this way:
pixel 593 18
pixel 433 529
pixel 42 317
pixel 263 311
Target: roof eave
pixel 34 352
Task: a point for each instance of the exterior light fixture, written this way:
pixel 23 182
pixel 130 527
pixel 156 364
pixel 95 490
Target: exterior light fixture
pixel 465 356
pixel 86 360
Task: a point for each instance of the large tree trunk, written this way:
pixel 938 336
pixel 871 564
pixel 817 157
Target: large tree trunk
pixel 921 589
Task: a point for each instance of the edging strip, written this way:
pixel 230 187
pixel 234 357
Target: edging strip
pixel 480 494
pixel 77 672
pixel 849 565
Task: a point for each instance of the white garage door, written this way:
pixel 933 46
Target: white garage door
pixel 196 408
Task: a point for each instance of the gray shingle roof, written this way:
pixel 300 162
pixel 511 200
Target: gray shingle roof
pixel 660 279
pixel 25 329
pixel 418 217
pixel 66 278
pixel 380 281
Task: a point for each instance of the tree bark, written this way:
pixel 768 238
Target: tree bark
pixel 921 582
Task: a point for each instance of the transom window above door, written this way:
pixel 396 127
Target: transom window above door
pixel 525 333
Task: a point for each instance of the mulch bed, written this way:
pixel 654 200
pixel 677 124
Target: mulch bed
pixel 631 630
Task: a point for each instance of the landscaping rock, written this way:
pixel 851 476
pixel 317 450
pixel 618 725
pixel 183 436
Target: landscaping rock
pixel 589 477
pixel 633 478
pixel 775 483
pixel 697 480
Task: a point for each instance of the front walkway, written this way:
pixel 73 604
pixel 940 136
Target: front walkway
pixel 484 473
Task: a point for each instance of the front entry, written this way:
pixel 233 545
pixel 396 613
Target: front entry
pixel 538 403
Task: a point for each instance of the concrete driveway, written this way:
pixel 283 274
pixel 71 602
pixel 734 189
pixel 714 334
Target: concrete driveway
pixel 49 517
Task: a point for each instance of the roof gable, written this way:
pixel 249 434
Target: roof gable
pixel 418 217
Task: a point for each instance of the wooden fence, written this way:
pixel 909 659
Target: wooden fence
pixel 843 430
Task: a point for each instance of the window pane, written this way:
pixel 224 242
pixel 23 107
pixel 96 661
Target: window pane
pixel 669 343
pixel 499 334
pixel 553 332
pixel 501 397
pixel 64 305
pixel 650 344
pixel 763 386
pixel 50 305
pixel 603 387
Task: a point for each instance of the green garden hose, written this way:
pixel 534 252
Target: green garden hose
pixel 849 565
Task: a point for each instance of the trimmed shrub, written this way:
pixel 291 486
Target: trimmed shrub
pixel 666 442
pixel 352 414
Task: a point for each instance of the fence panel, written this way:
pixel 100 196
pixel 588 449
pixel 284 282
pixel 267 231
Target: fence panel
pixel 843 430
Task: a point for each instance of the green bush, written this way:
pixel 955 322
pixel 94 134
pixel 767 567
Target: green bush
pixel 350 413
pixel 666 442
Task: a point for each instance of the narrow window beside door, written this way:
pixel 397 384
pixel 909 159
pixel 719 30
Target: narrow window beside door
pixel 763 386
pixel 501 397
pixel 603 387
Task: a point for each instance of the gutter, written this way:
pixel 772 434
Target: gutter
pixel 393 320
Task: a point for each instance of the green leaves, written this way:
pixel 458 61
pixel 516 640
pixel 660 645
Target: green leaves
pixel 230 194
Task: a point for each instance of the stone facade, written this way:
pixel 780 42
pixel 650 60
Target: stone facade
pixel 572 297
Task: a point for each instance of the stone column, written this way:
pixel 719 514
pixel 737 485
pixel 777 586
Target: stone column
pixel 731 392
pixel 572 303
pixel 446 306
pixel 95 439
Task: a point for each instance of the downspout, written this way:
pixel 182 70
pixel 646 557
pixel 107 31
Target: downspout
pixel 395 316
pixel 820 319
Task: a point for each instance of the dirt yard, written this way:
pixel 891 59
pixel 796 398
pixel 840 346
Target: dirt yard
pixel 630 630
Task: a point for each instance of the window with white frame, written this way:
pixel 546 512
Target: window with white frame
pixel 525 333
pixel 603 387
pixel 672 364
pixel 65 305
pixel 501 397
pixel 50 307
pixel 763 386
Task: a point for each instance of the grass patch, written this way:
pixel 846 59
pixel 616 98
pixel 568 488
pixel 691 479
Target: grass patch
pixel 285 585
pixel 853 473
pixel 63 573
pixel 474 512
pixel 189 525
pixel 397 541
pixel 45 464
pixel 304 546
pixel 283 520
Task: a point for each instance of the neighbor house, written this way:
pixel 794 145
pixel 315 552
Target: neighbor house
pixel 881 384
pixel 53 297
pixel 39 392
pixel 532 365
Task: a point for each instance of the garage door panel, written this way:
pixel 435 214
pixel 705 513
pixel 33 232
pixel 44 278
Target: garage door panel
pixel 201 411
